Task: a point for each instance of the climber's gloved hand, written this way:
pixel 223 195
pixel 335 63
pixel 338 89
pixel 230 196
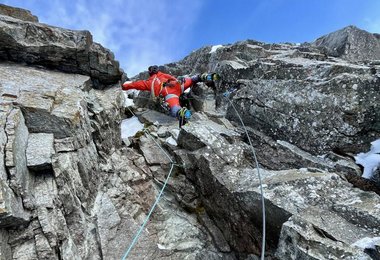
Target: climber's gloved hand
pixel 181 79
pixel 216 77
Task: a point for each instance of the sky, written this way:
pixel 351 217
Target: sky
pixel 146 32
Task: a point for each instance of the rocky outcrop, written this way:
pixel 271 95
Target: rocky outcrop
pixel 55 48
pixel 295 94
pixel 304 110
pixel 318 201
pixel 18 13
pixel 40 109
pixel 351 43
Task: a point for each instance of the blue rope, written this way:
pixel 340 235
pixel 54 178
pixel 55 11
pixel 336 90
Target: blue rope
pixel 148 216
pixel 138 234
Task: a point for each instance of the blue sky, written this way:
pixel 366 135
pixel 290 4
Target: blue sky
pixel 146 32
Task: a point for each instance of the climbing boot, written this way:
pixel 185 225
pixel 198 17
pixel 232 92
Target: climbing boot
pixel 184 115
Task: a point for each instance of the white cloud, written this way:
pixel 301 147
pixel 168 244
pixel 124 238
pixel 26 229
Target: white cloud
pixel 139 32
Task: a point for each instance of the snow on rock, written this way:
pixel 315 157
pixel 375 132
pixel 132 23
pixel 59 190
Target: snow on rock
pixel 235 65
pixel 130 126
pixel 171 140
pixel 370 160
pixel 367 242
pixel 215 47
pixel 128 101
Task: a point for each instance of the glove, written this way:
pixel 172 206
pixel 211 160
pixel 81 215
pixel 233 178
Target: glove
pixel 181 79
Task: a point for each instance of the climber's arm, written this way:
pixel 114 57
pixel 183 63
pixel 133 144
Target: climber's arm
pixel 139 85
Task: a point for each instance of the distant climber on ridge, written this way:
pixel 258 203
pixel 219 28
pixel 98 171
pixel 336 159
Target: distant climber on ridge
pixel 170 89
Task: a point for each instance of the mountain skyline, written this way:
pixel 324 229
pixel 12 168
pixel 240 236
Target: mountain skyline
pixel 142 33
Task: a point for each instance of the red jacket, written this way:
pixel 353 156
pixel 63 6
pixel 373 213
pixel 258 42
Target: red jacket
pixel 154 83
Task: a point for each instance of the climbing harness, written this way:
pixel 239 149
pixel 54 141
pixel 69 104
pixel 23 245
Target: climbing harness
pixel 227 94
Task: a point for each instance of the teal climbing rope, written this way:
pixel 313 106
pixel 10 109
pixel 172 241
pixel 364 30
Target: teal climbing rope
pixel 138 234
pixel 172 164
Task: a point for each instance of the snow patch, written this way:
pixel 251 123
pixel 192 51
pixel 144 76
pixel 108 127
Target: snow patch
pixel 235 65
pixel 367 242
pixel 254 46
pixel 171 140
pixel 130 126
pixel 130 93
pixel 128 101
pixel 175 133
pixel 161 246
pixel 215 47
pixel 370 160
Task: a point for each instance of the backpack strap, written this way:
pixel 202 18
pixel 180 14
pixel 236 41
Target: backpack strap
pixel 156 79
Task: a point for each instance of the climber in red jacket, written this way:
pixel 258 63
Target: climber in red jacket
pixel 170 88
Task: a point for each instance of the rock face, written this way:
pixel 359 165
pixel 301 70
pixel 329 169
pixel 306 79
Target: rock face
pixel 49 156
pixel 56 48
pixel 296 94
pixel 18 13
pixel 352 44
pixel 327 214
pixel 69 189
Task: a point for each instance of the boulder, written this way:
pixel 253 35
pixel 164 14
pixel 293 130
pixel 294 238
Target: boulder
pixel 40 151
pixel 153 153
pixel 319 234
pixel 57 48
